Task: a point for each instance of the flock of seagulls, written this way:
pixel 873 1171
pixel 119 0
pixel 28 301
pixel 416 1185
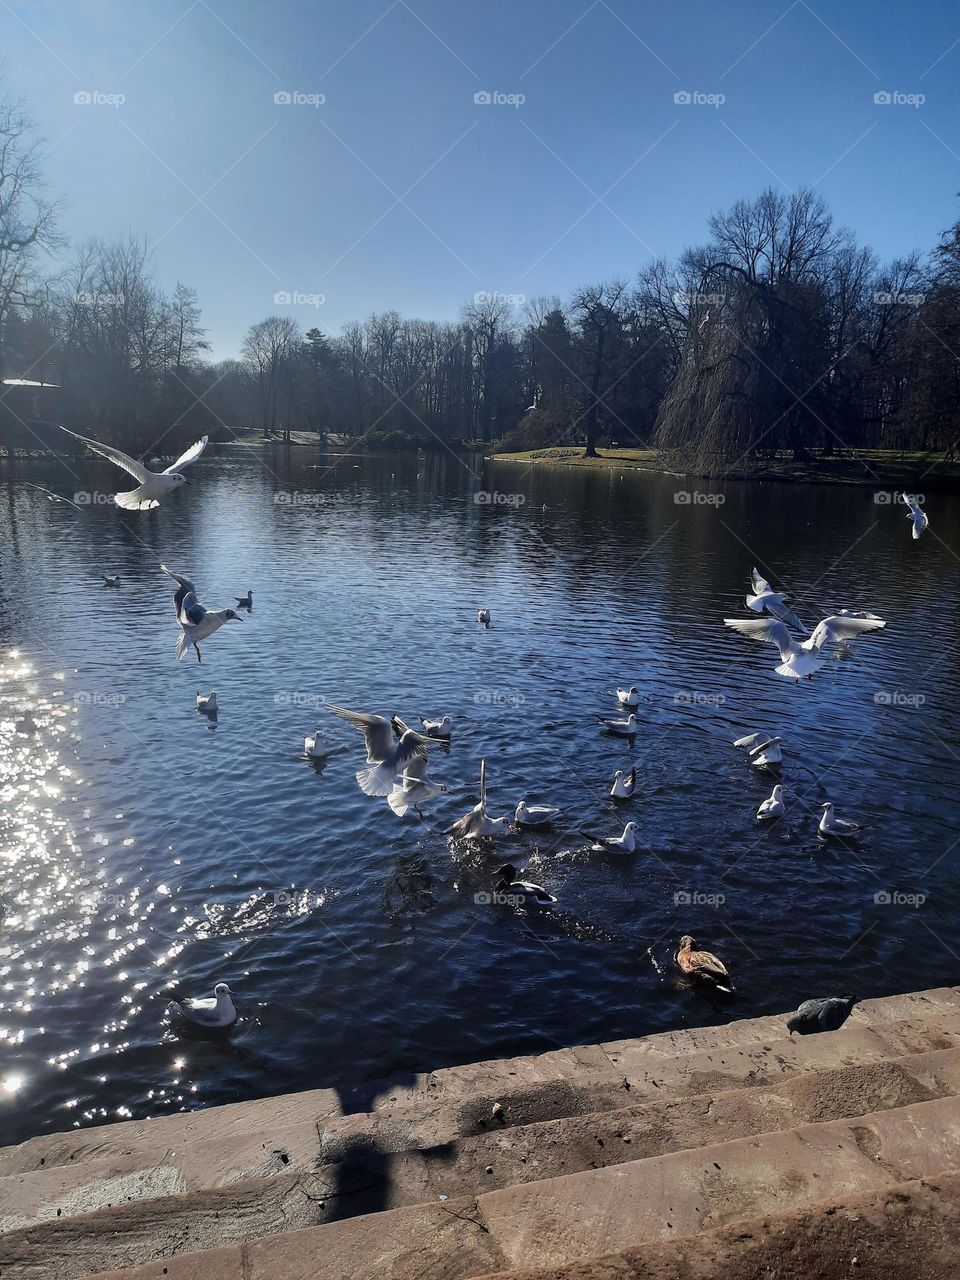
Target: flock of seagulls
pixel 397 756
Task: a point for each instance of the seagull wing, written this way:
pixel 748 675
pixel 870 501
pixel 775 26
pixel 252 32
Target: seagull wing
pixel 191 455
pixel 782 613
pixel 912 504
pixel 410 746
pixel 842 628
pixel 755 751
pixel 483 783
pixel 750 740
pixel 180 581
pixel 376 731
pixel 191 612
pixel 760 584
pixel 765 629
pixel 120 459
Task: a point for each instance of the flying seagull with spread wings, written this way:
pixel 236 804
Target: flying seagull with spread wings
pixel 197 622
pixel 151 485
pixel 803 659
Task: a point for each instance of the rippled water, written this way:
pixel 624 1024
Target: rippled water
pixel 145 850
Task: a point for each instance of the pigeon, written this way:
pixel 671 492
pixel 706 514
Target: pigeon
pixel 919 518
pixel 826 1014
pixel 208 702
pixel 216 1011
pixel 528 893
pixel 803 659
pixel 703 965
pixel 437 728
pixel 624 784
pixel 831 825
pixel 773 806
pixel 385 758
pixel 151 485
pixel 477 823
pixel 197 622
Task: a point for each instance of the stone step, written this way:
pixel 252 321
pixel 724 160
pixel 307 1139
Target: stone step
pixel 427 1109
pixel 365 1181
pixel 586 1215
pixel 911 1229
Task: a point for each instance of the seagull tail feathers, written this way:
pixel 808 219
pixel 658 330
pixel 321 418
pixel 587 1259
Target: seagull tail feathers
pixel 182 646
pixel 132 501
pixel 376 781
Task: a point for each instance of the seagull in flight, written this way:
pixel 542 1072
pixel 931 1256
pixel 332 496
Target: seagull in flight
pixel 919 518
pixel 803 659
pixel 386 759
pixel 197 622
pixel 151 485
pixel 763 597
pixel 477 823
pixel 414 788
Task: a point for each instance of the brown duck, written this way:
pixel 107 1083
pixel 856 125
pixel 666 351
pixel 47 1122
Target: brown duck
pixel 703 965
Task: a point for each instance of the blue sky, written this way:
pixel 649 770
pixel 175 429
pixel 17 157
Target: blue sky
pixel 400 191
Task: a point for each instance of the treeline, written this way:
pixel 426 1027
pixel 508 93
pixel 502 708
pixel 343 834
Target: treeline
pixel 779 333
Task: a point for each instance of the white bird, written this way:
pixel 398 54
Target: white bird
pixel 803 658
pixel 483 615
pixel 831 825
pixel 208 702
pixel 478 823
pixel 629 697
pixel 197 622
pixel 245 602
pixel 766 754
pixel 773 806
pixel 763 597
pixel 217 1010
pixel 314 746
pixel 535 815
pixel 112 582
pixel 627 843
pixel 414 788
pixel 624 784
pixel 919 518
pixel 437 728
pixel 152 485
pixel 386 757
pixel 624 728
pixel 750 740
pixel 531 894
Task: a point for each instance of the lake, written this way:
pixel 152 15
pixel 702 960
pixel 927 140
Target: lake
pixel 145 850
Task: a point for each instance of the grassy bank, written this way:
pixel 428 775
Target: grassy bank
pixel 875 467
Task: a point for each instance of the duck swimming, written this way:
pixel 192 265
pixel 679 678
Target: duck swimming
pixel 703 965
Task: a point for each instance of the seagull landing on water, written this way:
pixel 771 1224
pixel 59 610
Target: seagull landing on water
pixel 385 758
pixel 624 784
pixel 440 729
pixel 477 824
pixel 197 622
pixel 414 788
pixel 803 659
pixel 763 597
pixel 207 702
pixel 773 806
pixel 831 825
pixel 112 582
pixel 152 485
pixel 245 602
pixel 919 518
pixel 212 1012
pixel 625 728
pixel 826 1014
pixel 767 755
pixel 535 815
pixel 628 697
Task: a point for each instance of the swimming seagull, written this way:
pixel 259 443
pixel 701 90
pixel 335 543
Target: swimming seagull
pixel 826 1014
pixel 245 602
pixel 151 485
pixel 314 746
pixel 535 815
pixel 483 615
pixel 774 602
pixel 831 825
pixel 629 697
pixel 703 965
pixel 803 658
pixel 208 702
pixel 531 894
pixel 623 728
pixel 213 1011
pixel 197 622
pixel 414 788
pixel 437 728
pixel 624 784
pixel 627 843
pixel 112 582
pixel 773 806
pixel 386 758
pixel 477 823
pixel 766 754
pixel 919 518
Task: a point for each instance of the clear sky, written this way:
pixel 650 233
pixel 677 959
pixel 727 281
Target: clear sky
pixel 400 191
